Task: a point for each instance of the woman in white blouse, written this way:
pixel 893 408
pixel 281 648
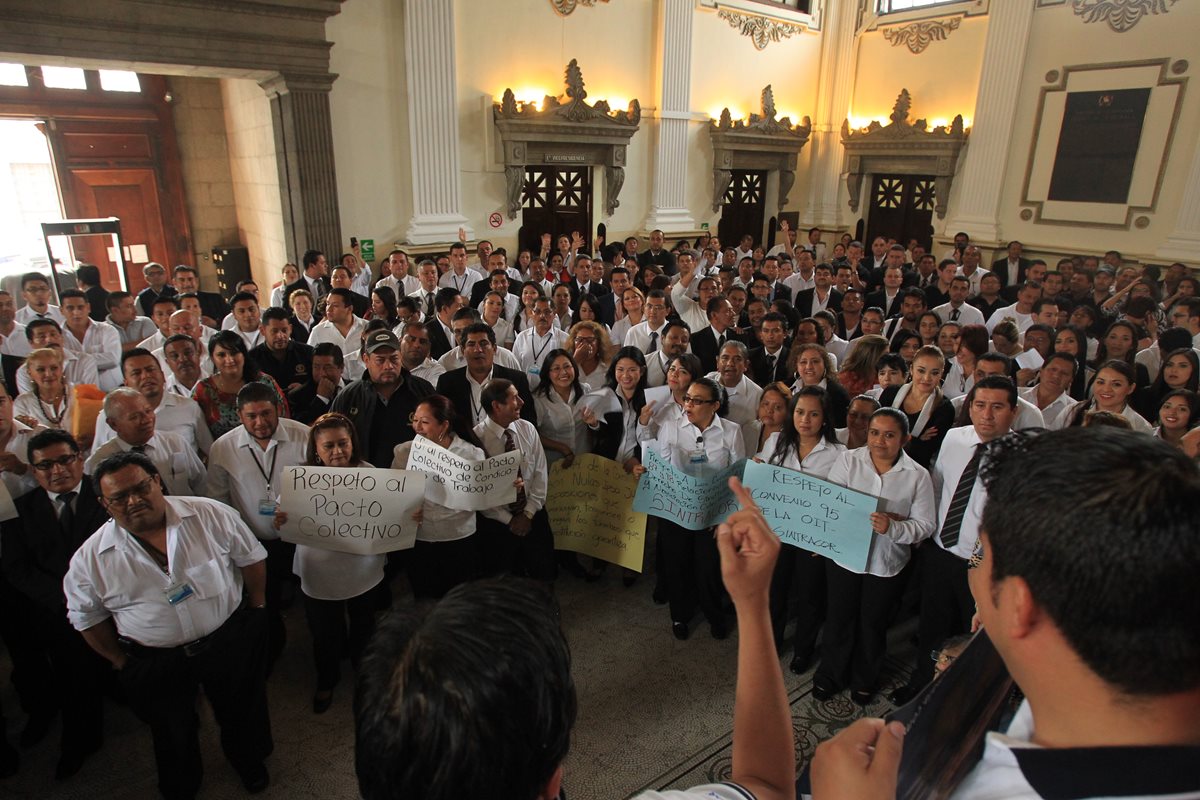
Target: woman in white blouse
pixel 633 302
pixel 808 444
pixel 1112 390
pixel 291 274
pixel 860 603
pixel 446 553
pixel 338 588
pixel 493 314
pixel 774 411
pixel 698 444
pixel 47 404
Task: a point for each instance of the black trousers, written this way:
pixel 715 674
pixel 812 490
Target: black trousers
pixel 339 628
pixel 78 674
pixel 796 566
pixel 693 572
pixel 503 552
pixel 435 568
pixel 855 638
pixel 946 606
pixel 280 555
pixel 161 686
pixel 31 676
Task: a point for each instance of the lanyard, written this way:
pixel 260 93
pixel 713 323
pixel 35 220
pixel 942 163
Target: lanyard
pixel 454 279
pixel 537 354
pixel 266 473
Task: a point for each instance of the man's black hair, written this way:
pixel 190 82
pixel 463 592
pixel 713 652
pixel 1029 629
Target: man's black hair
pixel 118 461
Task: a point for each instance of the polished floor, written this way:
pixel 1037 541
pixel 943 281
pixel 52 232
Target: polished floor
pixel 654 712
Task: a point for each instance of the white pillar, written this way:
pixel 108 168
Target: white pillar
pixel 833 105
pixel 669 210
pixel 981 180
pixel 1184 242
pixel 433 122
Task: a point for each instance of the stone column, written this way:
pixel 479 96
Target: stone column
pixel 1184 242
pixel 833 105
pixel 669 210
pixel 433 122
pixel 985 167
pixel 304 152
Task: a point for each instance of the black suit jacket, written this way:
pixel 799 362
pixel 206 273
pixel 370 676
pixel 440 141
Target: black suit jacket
pixel 879 300
pixel 302 283
pixel 1005 280
pixel 439 342
pixel 304 404
pixel 97 298
pixel 662 258
pixel 453 384
pixel 213 306
pixel 596 290
pixel 760 371
pixel 37 552
pixel 804 302
pixel 10 365
pixel 608 308
pixel 704 346
pixel 780 292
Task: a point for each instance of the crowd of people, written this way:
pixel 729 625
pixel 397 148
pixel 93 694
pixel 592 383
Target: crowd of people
pixel 145 438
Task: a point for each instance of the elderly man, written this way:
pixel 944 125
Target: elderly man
pixel 743 393
pixel 131 417
pixel 157 286
pixel 52 522
pixel 182 357
pixel 158 591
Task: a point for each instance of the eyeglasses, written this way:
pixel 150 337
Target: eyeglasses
pixel 51 463
pixel 688 400
pixel 942 658
pixel 139 490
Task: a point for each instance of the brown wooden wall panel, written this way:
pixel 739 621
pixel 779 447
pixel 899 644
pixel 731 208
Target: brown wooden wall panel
pixel 112 146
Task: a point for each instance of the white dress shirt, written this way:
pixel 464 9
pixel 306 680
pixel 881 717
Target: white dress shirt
pixel 656 368
pixel 15 343
pixel 975 278
pixel 560 421
pixel 26 315
pixel 18 445
pixel 531 348
pixel 453 359
pixel 112 576
pixel 78 369
pixel 967 314
pixel 639 336
pixel 243 475
pixel 430 371
pixel 180 468
pixel 350 344
pixel 103 343
pixel 620 329
pixel 137 329
pixel 175 414
pixel 957 449
pixel 1009 312
pixel 460 283
pixel 905 489
pixel 1136 420
pixel 1053 415
pixel 743 398
pixel 689 310
pixel 681 443
pixel 439 523
pixel 666 412
pixel 798 283
pixel 1028 414
pixel 533 467
pixel 420 296
pixel 818 462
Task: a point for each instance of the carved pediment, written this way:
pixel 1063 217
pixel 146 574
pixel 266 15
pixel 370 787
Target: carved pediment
pixel 762 142
pixel 571 107
pixel 901 129
pixel 764 124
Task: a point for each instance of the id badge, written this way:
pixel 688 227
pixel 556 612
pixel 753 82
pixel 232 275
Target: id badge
pixel 534 369
pixel 266 507
pixel 699 457
pixel 177 593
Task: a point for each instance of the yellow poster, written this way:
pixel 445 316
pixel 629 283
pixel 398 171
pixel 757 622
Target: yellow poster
pixel 591 511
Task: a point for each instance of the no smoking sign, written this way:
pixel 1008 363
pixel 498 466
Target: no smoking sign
pixel 495 219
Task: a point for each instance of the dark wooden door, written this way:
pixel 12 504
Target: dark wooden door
pixel 901 208
pixel 745 207
pixel 557 201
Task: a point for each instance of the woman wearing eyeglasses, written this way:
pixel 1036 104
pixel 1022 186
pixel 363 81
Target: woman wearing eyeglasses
pixel 339 588
pixel 699 443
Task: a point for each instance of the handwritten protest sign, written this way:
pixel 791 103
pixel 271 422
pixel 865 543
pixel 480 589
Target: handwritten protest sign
pixel 590 505
pixel 813 514
pixel 361 511
pixel 465 484
pixel 689 501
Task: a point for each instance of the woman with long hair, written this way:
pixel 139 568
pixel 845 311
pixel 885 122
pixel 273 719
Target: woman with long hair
pixel 1120 343
pixel 233 368
pixel 928 326
pixel 589 345
pixel 905 344
pixel 1177 414
pixel 1072 339
pixel 930 415
pixel 973 343
pixel 493 314
pixel 339 589
pixel 633 300
pixel 861 602
pixel 446 553
pixel 588 310
pixel 857 373
pixel 699 444
pixel 808 444
pixel 1180 370
pixel 770 417
pixel 813 366
pixel 1112 390
pixel 612 411
pixel 668 407
pixel 531 292
pixel 1006 338
pixel 557 398
pixel 383 305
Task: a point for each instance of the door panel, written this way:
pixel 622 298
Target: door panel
pixel 745 207
pixel 556 201
pixel 131 195
pixel 901 208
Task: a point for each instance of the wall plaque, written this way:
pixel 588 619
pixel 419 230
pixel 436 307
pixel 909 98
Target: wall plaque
pixel 1097 146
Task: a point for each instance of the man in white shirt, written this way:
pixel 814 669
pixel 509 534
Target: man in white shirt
pixel 160 314
pixel 646 334
pixel 130 416
pixel 427 287
pixel 805 276
pixel 414 353
pixel 970 268
pixel 13 341
pixel 946 603
pixel 245 471
pixel 456 359
pixel 742 392
pixel 459 278
pixel 157 591
pixel 82 334
pixel 676 338
pixel 36 291
pixel 993 364
pixel 958 309
pixel 249 320
pixel 532 344
pixel 1020 312
pixel 174 413
pixel 78 368
pixel 397 278
pixel 516 537
pixel 123 316
pixel 1050 394
pixel 342 328
pixel 691 311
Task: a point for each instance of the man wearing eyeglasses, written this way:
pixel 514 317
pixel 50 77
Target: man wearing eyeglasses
pixel 53 521
pixel 158 592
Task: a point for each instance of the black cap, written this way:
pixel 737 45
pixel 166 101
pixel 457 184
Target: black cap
pixel 381 339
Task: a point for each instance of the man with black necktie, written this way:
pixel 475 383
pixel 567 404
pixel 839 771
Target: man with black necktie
pixel 52 522
pixel 769 362
pixel 313 279
pixel 946 603
pixel 707 342
pixel 427 274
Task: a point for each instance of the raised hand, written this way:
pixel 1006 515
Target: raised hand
pixel 861 762
pixel 748 549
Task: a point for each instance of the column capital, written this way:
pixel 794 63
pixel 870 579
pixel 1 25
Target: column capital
pixel 286 82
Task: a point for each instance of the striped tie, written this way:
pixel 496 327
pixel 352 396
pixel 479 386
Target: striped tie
pixel 958 504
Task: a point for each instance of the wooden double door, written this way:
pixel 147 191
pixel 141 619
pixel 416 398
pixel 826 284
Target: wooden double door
pixel 744 210
pixel 901 208
pixel 557 201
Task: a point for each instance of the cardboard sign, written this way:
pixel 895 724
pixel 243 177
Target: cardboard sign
pixel 590 505
pixel 465 484
pixel 361 511
pixel 690 501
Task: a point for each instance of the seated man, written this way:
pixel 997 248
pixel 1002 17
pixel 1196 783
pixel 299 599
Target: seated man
pixel 1108 659
pixel 490 668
